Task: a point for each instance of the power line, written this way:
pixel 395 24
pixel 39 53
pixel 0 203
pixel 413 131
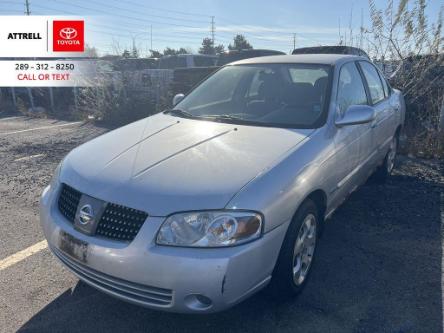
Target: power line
pixel 123 16
pixel 131 20
pixel 121 25
pixel 10 3
pixel 138 12
pixel 142 39
pixel 131 32
pixel 109 30
pixel 162 9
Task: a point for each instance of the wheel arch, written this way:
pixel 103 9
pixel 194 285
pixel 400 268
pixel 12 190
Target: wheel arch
pixel 319 197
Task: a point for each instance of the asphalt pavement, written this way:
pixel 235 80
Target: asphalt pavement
pixel 378 267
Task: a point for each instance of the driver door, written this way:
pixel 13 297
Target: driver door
pixel 352 143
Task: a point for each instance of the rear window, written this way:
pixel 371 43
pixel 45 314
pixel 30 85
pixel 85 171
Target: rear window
pixel 301 75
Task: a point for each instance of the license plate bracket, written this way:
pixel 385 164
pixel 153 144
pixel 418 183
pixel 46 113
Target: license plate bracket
pixel 73 247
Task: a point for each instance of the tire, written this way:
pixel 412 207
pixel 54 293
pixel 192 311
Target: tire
pixel 385 170
pixel 287 280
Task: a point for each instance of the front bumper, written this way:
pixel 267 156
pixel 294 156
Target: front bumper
pixel 167 278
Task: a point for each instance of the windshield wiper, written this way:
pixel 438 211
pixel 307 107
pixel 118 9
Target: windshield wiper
pixel 180 113
pixel 222 117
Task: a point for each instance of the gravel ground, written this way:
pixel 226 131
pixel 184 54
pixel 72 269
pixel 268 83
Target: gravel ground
pixel 378 266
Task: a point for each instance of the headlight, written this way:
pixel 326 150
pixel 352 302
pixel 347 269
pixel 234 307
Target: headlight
pixel 210 229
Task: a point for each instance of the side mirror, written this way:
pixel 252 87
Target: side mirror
pixel 356 114
pixel 177 99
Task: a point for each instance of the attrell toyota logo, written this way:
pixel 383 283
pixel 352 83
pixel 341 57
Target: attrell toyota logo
pixel 68 36
pixel 86 214
pixel 68 33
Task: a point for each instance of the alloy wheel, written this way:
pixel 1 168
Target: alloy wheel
pixel 391 156
pixel 304 249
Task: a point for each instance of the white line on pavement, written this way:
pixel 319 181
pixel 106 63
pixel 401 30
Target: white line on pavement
pixel 41 128
pixel 25 158
pixel 11 118
pixel 23 254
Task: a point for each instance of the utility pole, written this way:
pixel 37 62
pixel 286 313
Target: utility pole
pixel 340 36
pixel 362 29
pixel 213 29
pixel 294 41
pixel 31 98
pixel 151 36
pixel 27 11
pixel 350 26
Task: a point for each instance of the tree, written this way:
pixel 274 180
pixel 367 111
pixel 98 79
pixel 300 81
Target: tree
pixel 240 43
pixel 126 54
pixel 209 48
pixel 403 38
pixel 171 51
pixel 135 52
pixel 90 51
pixel 183 50
pixel 155 54
pixel 219 49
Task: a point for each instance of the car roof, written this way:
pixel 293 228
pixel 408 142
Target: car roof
pixel 325 59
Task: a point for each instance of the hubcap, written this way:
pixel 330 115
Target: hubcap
pixel 304 248
pixel 392 155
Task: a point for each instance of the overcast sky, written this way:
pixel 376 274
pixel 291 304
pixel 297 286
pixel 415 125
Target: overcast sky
pixel 266 24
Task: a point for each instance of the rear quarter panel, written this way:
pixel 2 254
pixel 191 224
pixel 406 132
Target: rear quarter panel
pixel 398 100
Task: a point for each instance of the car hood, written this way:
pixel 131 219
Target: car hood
pixel 165 164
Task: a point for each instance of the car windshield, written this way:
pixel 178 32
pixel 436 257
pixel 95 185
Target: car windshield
pixel 280 95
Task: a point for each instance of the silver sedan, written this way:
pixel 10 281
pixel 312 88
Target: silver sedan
pixel 201 206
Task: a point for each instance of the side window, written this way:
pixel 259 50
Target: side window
pixel 373 81
pixel 351 90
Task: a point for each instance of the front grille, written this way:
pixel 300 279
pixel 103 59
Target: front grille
pixel 117 222
pixel 68 201
pixel 141 294
pixel 120 223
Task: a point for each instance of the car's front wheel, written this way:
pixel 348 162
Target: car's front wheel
pixel 297 252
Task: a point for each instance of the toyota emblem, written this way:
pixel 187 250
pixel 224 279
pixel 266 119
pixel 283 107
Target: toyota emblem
pixel 68 33
pixel 86 214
